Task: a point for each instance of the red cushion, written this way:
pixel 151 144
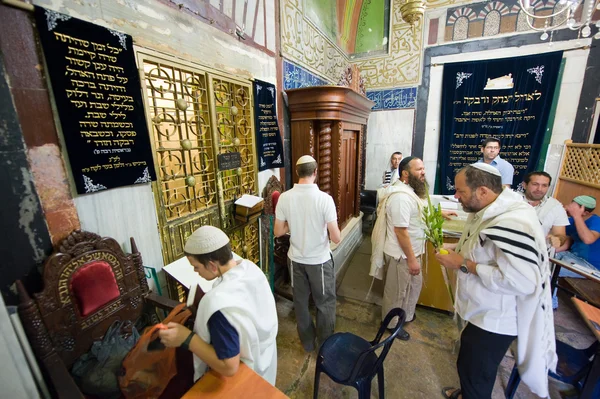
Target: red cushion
pixel 94 285
pixel 275 199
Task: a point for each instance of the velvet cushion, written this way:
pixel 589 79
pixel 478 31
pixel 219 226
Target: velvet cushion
pixel 275 199
pixel 94 285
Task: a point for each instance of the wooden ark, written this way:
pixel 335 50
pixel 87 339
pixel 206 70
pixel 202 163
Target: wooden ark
pixel 328 122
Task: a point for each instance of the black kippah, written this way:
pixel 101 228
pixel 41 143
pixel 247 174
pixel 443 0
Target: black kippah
pixel 405 162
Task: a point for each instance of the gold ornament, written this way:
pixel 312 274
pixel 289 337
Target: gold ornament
pixel 190 181
pixel 186 144
pixel 181 104
pixel 412 11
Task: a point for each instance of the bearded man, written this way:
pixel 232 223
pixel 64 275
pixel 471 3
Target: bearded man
pixel 399 241
pixel 503 286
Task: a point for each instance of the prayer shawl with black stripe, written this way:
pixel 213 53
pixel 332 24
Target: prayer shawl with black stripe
pixel 508 244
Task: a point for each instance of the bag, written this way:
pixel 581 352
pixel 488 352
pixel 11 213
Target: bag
pixel 148 372
pixel 96 371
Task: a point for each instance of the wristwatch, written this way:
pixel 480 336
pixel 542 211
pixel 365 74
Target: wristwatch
pixel 186 344
pixel 463 267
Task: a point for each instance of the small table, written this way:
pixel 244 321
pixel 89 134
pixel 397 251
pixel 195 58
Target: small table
pixel 591 315
pixel 584 288
pixel 244 384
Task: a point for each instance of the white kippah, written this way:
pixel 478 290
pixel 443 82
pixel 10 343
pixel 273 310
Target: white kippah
pixel 305 159
pixel 486 168
pixel 205 240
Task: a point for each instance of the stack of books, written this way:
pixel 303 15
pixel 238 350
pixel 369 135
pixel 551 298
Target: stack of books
pixel 248 206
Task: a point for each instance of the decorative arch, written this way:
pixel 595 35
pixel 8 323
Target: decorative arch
pixel 491 24
pixel 494 6
pixel 461 28
pixel 466 12
pixel 521 24
pixel 561 18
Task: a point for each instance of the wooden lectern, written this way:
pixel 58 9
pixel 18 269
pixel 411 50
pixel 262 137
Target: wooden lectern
pixel 328 122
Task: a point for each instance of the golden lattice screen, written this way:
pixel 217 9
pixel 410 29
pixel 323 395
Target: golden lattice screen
pixel 194 115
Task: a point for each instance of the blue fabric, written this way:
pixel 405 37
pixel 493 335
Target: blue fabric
pixel 223 336
pixel 591 252
pixel 504 167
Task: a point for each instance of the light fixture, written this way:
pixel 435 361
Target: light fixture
pixel 564 16
pixel 412 11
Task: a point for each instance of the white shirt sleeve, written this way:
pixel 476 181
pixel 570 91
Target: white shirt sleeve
pixel 330 211
pixel 279 210
pixel 560 217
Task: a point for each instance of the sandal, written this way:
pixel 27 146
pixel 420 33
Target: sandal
pixel 453 395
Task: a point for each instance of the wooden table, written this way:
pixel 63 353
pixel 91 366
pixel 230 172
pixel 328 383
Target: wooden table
pixel 244 384
pixel 591 316
pixel 585 289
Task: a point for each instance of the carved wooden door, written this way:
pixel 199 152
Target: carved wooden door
pixel 348 174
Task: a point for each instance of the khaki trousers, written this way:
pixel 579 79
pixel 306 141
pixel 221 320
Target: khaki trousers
pixel 401 289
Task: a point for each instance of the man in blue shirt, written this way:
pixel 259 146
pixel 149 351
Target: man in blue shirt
pixel 490 148
pixel 583 233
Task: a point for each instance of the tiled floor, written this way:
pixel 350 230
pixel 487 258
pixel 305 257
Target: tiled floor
pixel 418 368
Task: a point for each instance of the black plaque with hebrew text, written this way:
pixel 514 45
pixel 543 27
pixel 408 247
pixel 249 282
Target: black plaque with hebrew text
pixel 97 93
pixel 229 160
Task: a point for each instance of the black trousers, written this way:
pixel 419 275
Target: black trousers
pixel 480 355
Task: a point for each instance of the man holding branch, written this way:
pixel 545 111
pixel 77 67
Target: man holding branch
pixel 503 286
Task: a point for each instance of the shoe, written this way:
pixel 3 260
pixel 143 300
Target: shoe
pixel 402 334
pixel 454 395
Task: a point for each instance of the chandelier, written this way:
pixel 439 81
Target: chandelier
pixel 563 16
pixel 412 11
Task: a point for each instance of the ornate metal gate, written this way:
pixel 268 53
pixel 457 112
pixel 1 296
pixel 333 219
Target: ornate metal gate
pixel 194 115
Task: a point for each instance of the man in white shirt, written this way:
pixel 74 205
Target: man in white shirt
pixel 390 176
pixel 308 214
pixel 404 240
pixel 503 286
pixel 550 211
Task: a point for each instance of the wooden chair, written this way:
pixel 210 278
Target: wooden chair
pixel 273 189
pixel 89 282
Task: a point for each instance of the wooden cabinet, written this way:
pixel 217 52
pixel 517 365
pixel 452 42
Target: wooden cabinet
pixel 328 122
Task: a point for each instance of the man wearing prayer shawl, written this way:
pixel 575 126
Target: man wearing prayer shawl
pixel 503 286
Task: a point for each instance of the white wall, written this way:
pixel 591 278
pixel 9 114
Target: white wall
pixel 566 110
pixel 387 132
pixel 130 211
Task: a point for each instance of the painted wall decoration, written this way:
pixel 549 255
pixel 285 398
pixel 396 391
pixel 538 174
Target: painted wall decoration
pixel 97 92
pixel 304 44
pixel 509 99
pixel 497 17
pixel 295 77
pixel 254 18
pixel 399 98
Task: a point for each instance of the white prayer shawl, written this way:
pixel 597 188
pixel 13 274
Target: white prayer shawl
pixel 380 228
pixel 535 322
pixel 244 297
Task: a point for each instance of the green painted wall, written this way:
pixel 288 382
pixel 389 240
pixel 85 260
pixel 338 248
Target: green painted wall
pixel 371 27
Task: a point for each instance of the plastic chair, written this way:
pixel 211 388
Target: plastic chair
pixel 368 204
pixel 573 366
pixel 351 360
